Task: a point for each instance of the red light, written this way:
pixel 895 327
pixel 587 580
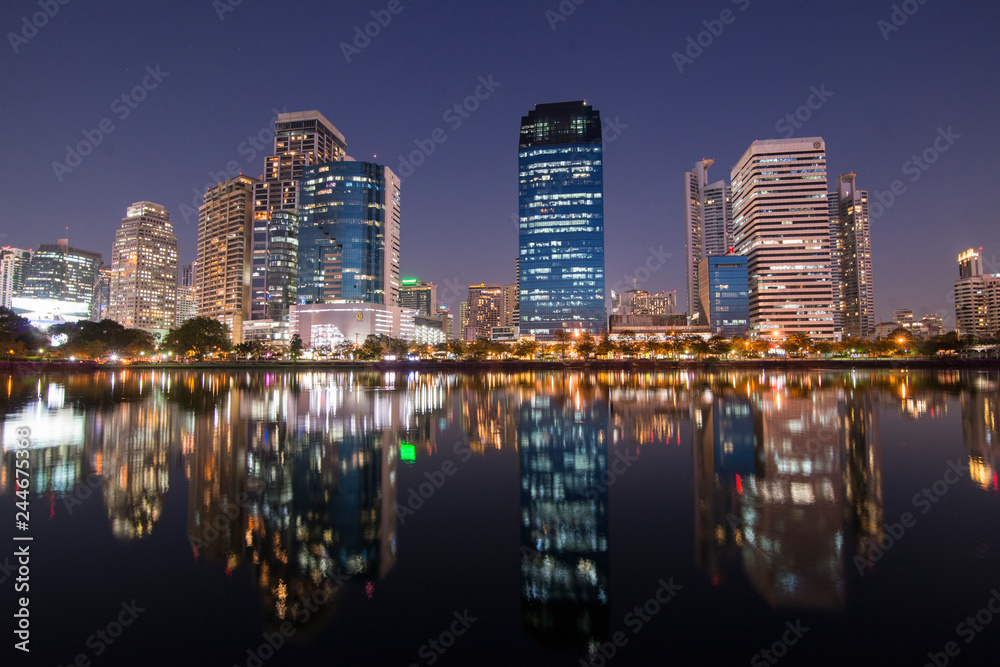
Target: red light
pixel 739 485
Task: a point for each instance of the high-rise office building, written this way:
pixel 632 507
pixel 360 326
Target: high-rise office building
pixel 561 207
pixel 781 223
pixel 851 259
pixel 463 320
pixel 186 278
pixel 725 294
pixel 13 270
pixel 302 139
pixel 708 228
pixel 485 310
pixel 349 214
pixel 59 284
pixel 516 317
pixel 977 298
pixel 419 296
pixel 144 269
pixel 102 294
pixel 187 309
pixel 221 275
pixel 511 296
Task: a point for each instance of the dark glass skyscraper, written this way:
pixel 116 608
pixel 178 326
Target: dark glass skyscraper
pixel 348 234
pixel 561 176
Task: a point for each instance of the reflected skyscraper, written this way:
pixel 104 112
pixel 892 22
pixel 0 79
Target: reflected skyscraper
pixel 564 512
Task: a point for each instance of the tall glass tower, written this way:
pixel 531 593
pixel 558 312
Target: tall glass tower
pixel 349 234
pixel 561 176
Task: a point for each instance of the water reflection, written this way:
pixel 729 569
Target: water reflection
pixel 295 476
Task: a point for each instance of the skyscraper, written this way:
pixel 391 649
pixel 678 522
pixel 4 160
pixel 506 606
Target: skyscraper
pixel 725 294
pixel 509 317
pixel 59 284
pixel 708 229
pixel 144 269
pixel 977 298
pixel 561 239
pixel 222 270
pixel 13 270
pixel 485 310
pixel 302 139
pixel 781 222
pixel 349 214
pixel 419 296
pixel 851 250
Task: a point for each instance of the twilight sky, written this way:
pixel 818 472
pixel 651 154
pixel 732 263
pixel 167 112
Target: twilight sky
pixel 887 95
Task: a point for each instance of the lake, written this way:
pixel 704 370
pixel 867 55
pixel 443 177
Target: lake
pixel 684 517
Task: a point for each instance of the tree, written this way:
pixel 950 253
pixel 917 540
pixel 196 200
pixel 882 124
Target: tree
pixel 628 344
pixel 526 348
pixel 797 343
pixel 883 346
pixel 398 348
pixel 480 349
pixel 17 329
pixel 295 347
pixel 720 345
pixel 903 339
pixel 700 347
pixel 823 347
pixel 585 345
pixel 606 347
pixel 758 347
pixel 457 348
pixel 563 339
pixel 197 337
pixel 373 349
pixel 344 349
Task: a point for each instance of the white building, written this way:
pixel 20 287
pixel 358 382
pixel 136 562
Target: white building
pixel 329 324
pixel 781 222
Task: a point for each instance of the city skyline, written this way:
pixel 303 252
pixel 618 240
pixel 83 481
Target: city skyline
pixel 871 117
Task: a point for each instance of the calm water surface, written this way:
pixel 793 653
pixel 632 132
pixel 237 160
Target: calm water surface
pixel 667 518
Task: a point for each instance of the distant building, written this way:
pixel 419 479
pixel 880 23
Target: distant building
pixel 708 220
pixel 561 223
pixel 510 315
pixel 485 310
pixel 186 310
pixel 13 270
pixel 349 216
pixel 59 285
pixel 725 294
pixel 220 279
pixel 977 298
pixel 463 320
pixel 660 326
pixel 186 278
pixel 932 325
pixel 301 139
pixel 903 317
pixel 144 270
pixel 781 223
pixel 102 294
pixel 641 302
pixel 851 259
pixel 419 296
pixel 428 330
pixel 329 324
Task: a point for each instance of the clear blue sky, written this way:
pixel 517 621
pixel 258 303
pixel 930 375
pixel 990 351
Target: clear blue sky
pixel 225 75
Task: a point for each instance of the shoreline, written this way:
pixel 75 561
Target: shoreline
pixel 29 367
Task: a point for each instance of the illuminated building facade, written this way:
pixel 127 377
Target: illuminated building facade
pixel 977 298
pixel 144 270
pixel 561 238
pixel 485 310
pixel 322 325
pixel 13 270
pixel 781 223
pixel 348 234
pixel 725 294
pixel 419 296
pixel 708 220
pixel 302 139
pixel 222 270
pixel 851 255
pixel 59 284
